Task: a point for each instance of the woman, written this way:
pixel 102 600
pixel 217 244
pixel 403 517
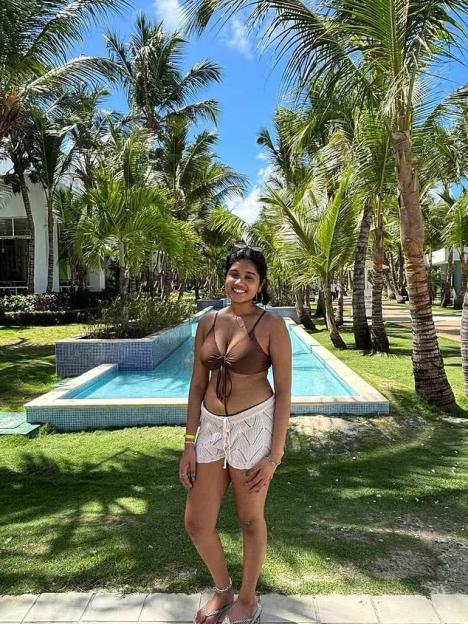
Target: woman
pixel 242 428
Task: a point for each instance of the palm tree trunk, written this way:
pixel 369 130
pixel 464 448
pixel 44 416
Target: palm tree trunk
pixel 428 367
pixel 447 292
pixel 302 314
pixel 429 277
pixel 335 336
pixel 340 303
pixel 378 334
pixel 32 231
pixel 361 331
pixel 50 242
pixel 124 289
pixel 320 309
pixel 181 290
pixel 402 290
pixel 464 340
pixel 458 303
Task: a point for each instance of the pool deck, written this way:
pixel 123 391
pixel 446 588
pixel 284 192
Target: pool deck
pixel 94 607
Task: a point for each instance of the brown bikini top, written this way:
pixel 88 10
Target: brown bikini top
pixel 245 357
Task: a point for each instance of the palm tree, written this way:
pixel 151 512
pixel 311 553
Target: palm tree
pixel 291 173
pixel 189 170
pixel 379 52
pixel 34 68
pixel 323 245
pixel 130 218
pixel 70 210
pixel 45 144
pixel 150 72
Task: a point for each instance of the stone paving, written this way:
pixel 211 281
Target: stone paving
pixel 99 607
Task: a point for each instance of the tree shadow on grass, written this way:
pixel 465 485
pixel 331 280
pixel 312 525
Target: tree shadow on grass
pixel 118 522
pixel 26 370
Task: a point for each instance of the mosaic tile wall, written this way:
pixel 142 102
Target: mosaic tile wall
pixel 284 311
pixel 216 304
pixel 78 419
pixel 75 357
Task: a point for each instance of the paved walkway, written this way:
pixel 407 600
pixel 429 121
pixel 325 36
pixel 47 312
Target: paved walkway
pixel 94 608
pixel 447 326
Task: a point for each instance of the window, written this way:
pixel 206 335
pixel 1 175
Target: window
pixel 6 227
pixel 20 227
pixel 14 226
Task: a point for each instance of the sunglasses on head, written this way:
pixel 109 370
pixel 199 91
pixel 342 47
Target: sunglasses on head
pixel 238 246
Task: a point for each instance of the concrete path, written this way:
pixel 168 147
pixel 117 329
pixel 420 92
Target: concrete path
pixel 447 326
pixel 98 607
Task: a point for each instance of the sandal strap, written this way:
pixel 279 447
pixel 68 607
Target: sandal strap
pixel 249 620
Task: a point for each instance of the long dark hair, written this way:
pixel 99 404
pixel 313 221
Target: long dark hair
pixel 258 259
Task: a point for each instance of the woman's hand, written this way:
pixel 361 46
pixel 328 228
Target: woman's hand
pixel 187 466
pixel 260 475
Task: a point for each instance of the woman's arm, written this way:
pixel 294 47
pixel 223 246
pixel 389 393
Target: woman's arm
pixel 199 382
pixel 200 378
pixel 280 353
pixel 281 358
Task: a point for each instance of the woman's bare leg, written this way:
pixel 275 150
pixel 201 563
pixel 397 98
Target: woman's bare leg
pixel 250 507
pixel 201 514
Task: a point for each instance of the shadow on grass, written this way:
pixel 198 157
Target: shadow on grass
pixel 25 371
pixel 339 507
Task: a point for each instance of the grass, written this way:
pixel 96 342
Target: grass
pixel 382 511
pixel 27 362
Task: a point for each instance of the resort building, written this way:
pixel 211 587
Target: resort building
pixel 14 242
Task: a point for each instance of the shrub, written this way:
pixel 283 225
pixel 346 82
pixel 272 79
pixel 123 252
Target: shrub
pixel 17 303
pixel 147 315
pixel 48 317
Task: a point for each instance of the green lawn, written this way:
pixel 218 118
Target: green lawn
pixel 383 511
pixel 27 362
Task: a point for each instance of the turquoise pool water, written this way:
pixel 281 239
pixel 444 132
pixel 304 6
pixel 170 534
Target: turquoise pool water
pixel 171 378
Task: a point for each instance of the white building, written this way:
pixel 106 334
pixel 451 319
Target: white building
pixel 14 240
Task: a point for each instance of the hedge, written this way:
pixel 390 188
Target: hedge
pixel 48 317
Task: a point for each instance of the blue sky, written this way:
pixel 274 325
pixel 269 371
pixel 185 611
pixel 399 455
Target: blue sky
pixel 248 93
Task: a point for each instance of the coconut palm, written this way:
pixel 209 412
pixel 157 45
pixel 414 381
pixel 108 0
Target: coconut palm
pixel 150 72
pixel 70 209
pixel 189 170
pixel 46 148
pixel 378 50
pixel 291 173
pixel 323 245
pixel 34 68
pixel 130 218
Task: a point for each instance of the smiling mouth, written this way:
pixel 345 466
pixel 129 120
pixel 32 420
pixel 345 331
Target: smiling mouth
pixel 239 292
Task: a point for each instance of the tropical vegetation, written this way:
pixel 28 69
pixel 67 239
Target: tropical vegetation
pixel 366 173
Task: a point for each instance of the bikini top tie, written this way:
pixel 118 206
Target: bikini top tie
pixel 245 357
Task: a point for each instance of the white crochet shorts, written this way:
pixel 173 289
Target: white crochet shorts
pixel 242 439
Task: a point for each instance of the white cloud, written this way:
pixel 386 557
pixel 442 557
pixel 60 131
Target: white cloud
pixel 237 37
pixel 250 206
pixel 264 173
pixel 171 13
pixel 262 156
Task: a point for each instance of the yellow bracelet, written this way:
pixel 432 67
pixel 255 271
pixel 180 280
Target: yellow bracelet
pixel 189 436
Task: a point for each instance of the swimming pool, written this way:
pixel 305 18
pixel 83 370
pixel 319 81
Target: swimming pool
pixel 171 378
pixel 107 395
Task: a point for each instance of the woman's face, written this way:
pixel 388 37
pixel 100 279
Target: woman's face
pixel 242 281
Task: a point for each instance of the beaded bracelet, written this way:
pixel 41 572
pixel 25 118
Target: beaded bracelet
pixel 189 442
pixel 272 461
pixel 189 436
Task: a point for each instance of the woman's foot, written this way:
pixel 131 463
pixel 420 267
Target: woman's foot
pixel 243 610
pixel 218 601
